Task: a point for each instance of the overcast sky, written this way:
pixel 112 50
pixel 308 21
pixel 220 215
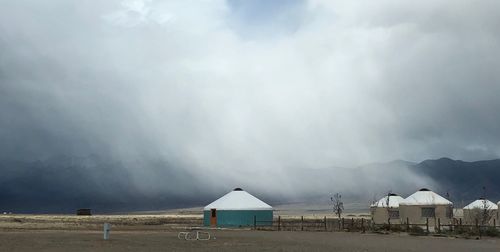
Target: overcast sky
pixel 231 86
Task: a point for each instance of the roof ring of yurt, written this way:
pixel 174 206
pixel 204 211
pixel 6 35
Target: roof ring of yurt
pixel 237 189
pixel 424 190
pixel 393 194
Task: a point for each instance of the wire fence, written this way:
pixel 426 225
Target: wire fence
pixel 325 224
pixel 312 224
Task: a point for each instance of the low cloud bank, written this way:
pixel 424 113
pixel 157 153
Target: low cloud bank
pixel 184 98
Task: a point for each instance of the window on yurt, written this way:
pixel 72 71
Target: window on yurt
pixel 393 214
pixel 428 212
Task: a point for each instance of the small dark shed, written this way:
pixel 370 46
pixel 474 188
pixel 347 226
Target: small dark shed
pixel 84 211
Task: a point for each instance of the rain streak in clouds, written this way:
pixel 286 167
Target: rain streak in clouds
pixel 245 93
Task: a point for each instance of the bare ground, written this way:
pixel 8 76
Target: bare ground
pixel 159 233
pixel 233 240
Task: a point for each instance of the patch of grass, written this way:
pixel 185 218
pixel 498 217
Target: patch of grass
pixel 156 222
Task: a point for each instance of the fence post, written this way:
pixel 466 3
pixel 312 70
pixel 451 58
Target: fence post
pixel 301 223
pixel 363 225
pixel 342 224
pixel 107 228
pixel 407 224
pixel 478 228
pixel 494 222
pixel 439 225
pixel 255 222
pixel 427 224
pixel 389 223
pixel 279 223
pixel 460 222
pixel 325 224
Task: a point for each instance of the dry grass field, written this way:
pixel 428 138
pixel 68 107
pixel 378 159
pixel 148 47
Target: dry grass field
pixel 95 222
pixel 159 233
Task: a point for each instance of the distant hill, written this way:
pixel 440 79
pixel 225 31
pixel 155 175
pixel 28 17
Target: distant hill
pixel 461 181
pixel 464 181
pixel 63 184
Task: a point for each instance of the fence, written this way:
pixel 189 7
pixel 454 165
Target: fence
pixel 316 224
pixel 362 225
pixel 456 227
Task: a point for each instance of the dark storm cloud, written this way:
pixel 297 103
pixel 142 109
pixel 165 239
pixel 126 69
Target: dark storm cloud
pixel 195 85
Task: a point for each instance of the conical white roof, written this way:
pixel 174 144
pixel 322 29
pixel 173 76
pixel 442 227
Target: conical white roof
pixel 480 203
pixel 238 200
pixel 393 201
pixel 425 197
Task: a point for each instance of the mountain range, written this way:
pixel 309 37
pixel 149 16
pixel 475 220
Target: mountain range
pixel 464 181
pixel 63 184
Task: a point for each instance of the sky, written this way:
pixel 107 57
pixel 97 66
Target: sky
pixel 232 88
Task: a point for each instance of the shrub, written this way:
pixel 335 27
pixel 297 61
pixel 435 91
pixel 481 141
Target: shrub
pixel 491 231
pixel 416 230
pixel 466 231
pixel 397 228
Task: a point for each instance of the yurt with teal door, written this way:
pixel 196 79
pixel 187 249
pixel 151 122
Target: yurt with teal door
pixel 237 208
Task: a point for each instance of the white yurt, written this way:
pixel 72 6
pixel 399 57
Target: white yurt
pixel 482 210
pixel 385 209
pixel 238 208
pixel 426 204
